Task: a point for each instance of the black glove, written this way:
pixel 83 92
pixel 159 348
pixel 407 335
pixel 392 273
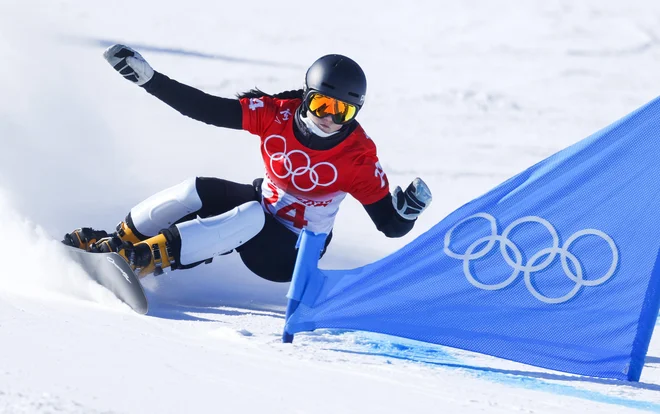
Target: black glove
pixel 410 203
pixel 129 63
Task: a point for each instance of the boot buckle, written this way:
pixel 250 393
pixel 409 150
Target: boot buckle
pixel 158 260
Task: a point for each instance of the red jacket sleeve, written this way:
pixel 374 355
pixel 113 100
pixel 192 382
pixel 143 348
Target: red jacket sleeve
pixel 370 183
pixel 258 114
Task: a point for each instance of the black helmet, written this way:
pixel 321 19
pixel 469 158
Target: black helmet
pixel 339 77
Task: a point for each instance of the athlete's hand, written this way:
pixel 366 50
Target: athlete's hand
pixel 129 64
pixel 410 203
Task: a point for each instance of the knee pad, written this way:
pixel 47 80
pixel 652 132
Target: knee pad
pixel 163 209
pixel 201 239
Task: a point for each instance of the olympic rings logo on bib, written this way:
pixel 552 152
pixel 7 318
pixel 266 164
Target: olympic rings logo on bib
pixel 300 169
pixel 516 262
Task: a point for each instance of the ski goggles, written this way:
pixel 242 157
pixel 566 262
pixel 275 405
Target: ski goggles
pixel 321 105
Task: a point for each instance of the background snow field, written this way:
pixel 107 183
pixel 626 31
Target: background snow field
pixel 464 94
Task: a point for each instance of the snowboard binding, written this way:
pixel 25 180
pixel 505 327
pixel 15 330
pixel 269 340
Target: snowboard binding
pixel 84 238
pixel 144 256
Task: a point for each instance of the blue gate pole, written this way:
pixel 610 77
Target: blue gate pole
pixel 647 321
pixel 291 307
pixel 309 247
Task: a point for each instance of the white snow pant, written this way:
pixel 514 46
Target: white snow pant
pixel 201 238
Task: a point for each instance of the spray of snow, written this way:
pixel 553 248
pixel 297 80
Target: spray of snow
pixel 36 265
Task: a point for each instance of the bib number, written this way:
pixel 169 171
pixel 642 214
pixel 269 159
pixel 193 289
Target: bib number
pixel 294 213
pixel 255 103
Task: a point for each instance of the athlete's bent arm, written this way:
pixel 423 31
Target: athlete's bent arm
pixel 396 213
pixel 386 218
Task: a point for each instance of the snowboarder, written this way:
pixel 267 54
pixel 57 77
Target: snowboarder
pixel 314 152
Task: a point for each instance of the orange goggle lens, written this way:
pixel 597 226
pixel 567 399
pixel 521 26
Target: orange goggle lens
pixel 322 106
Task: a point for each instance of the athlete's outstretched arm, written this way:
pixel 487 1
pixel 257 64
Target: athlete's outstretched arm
pixel 213 110
pixel 191 102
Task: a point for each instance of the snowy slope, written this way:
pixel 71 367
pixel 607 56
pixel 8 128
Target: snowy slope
pixel 464 94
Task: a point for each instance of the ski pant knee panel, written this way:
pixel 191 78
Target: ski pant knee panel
pixel 204 238
pixel 165 208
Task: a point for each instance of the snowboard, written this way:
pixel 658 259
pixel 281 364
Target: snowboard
pixel 111 271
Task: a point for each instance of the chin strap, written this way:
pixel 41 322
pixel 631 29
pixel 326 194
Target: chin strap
pixel 314 129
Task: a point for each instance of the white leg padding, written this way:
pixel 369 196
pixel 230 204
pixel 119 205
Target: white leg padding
pixel 163 209
pixel 202 239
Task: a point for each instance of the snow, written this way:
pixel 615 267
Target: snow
pixel 464 94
